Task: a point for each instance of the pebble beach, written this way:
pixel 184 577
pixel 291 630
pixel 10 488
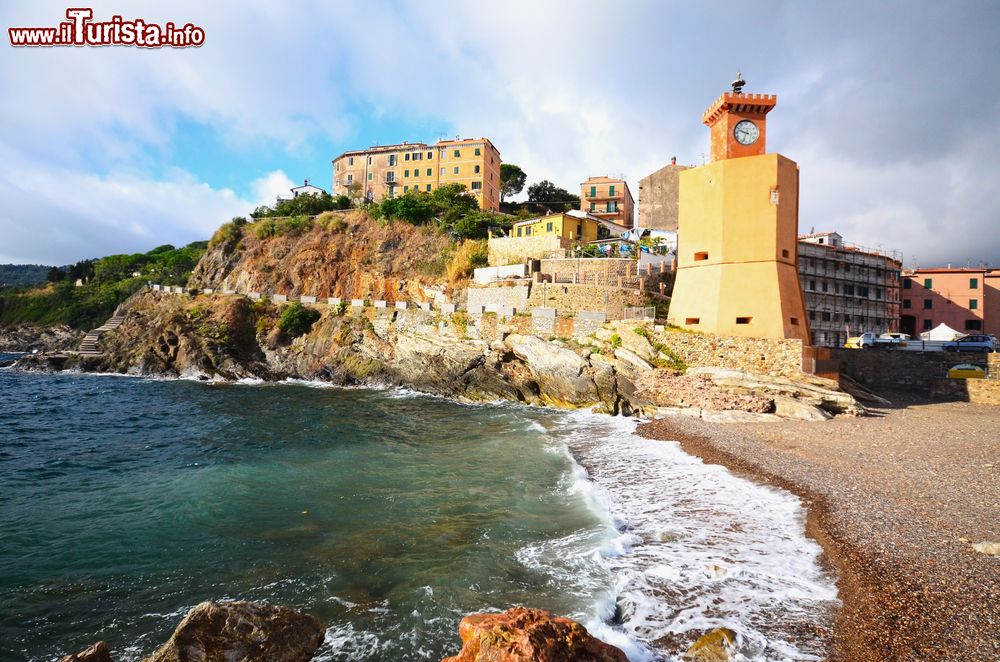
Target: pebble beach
pixel 898 500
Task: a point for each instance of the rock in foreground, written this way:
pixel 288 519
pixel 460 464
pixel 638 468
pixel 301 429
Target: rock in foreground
pixel 523 635
pixel 97 653
pixel 244 631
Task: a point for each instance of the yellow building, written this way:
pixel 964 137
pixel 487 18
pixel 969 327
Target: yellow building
pixel 390 170
pixel 737 231
pixel 546 237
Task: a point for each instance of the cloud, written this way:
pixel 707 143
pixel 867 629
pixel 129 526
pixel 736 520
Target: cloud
pixel 883 105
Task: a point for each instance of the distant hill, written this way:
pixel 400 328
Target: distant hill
pixel 107 282
pixel 21 275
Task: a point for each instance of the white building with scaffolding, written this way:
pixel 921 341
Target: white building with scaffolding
pixel 848 289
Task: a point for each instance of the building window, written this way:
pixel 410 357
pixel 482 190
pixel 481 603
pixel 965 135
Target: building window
pixel 405 189
pixel 406 173
pixel 369 176
pixel 428 188
pixel 928 283
pixel 928 325
pixel 390 176
pixel 973 304
pixel 907 284
pixel 479 152
pixel 430 155
pixel 350 160
pixel 698 257
pixel 475 169
pixel 973 325
pixel 369 160
pixel 826 317
pixel 795 321
pixel 692 320
pixel 907 303
pixel 973 283
pixel 456 170
pixel 784 252
pixel 611 190
pixel 392 160
pixel 458 154
pixel 593 206
pixel 477 186
pixel 812 314
pixel 825 287
pixel 428 172
pixel 406 157
pixel 519 232
pixel 743 320
pixel 928 304
pixel 593 191
pixel 812 285
pixel 527 231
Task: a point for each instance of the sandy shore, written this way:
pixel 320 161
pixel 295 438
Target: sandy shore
pixel 896 500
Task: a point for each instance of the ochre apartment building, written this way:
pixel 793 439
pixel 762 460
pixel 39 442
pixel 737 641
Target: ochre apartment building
pixel 966 299
pixel 608 198
pixel 390 170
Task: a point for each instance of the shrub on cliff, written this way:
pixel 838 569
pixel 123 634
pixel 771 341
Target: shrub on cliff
pixel 466 257
pixel 303 205
pixel 296 320
pixel 228 233
pixel 293 226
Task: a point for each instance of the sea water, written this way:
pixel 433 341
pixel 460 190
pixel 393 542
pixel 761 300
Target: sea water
pixel 124 502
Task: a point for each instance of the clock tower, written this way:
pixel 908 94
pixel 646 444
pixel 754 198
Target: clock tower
pixel 738 122
pixel 737 230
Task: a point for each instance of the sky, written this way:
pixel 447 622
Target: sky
pixel 891 109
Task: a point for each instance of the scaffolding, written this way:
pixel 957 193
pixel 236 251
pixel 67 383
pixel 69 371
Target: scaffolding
pixel 849 290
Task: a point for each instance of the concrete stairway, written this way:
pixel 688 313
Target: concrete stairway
pixel 88 346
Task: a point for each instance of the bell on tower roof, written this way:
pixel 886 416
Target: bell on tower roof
pixel 738 83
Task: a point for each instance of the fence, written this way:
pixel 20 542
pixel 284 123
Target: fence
pixel 640 313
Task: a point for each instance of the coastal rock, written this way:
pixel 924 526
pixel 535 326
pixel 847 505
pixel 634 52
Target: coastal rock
pixel 799 410
pixel 717 645
pixel 526 635
pixel 30 338
pixel 821 393
pixel 633 359
pixel 97 653
pixel 244 631
pixel 558 371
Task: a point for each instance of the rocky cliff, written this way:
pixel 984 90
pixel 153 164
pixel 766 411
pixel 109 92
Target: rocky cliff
pixel 29 337
pixel 346 255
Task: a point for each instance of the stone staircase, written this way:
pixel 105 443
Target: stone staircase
pixel 88 346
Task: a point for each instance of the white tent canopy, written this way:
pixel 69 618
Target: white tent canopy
pixel 941 332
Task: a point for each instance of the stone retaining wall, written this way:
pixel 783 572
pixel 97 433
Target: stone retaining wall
pixel 570 299
pixel 918 372
pixel 761 355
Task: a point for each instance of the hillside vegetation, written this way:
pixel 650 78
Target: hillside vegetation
pixel 107 282
pixel 22 275
pixel 337 254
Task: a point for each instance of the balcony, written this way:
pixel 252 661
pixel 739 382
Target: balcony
pixel 618 195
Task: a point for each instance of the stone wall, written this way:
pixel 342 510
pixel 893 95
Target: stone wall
pixel 569 299
pixel 924 373
pixel 515 296
pixel 761 355
pixel 511 250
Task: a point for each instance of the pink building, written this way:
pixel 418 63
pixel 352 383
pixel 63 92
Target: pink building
pixel 967 300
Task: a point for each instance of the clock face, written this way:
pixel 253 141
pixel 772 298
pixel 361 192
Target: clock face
pixel 746 132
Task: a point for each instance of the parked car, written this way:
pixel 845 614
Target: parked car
pixel 870 340
pixel 977 343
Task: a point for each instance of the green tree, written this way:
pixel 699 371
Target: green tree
pixel 546 197
pixel 296 320
pixel 512 180
pixel 55 275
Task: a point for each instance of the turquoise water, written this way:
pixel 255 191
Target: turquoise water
pixel 124 502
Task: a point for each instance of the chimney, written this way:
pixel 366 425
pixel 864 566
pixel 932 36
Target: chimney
pixel 673 160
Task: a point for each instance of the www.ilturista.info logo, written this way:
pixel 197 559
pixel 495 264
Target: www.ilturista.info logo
pixel 80 30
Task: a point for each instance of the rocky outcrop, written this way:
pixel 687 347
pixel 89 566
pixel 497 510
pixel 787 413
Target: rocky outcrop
pixel 561 374
pixel 805 390
pixel 244 631
pixel 718 645
pixel 529 635
pixel 30 338
pixel 97 653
